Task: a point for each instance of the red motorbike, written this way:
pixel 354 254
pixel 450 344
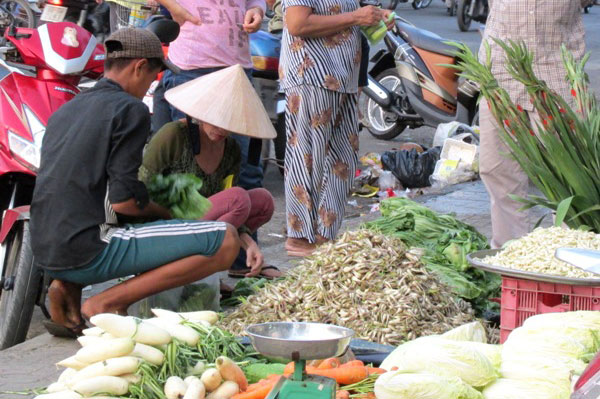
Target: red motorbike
pixel 39 72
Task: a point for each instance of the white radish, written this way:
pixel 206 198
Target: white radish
pixel 203 315
pixel 127 326
pixel 102 384
pixel 132 378
pixel 149 354
pixel 59 395
pixel 107 349
pixel 198 368
pixel 114 366
pixel 195 389
pixel 57 387
pixel 225 391
pixel 183 333
pixel 168 315
pixel 102 397
pixel 72 363
pixel 189 379
pixel 211 378
pixel 66 375
pixel 87 340
pixel 93 332
pixel 175 388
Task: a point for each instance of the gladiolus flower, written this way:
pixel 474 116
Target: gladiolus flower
pixel 562 110
pixel 507 122
pixel 573 93
pixel 531 132
pixel 519 108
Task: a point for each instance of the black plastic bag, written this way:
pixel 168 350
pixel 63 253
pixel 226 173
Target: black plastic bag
pixel 412 168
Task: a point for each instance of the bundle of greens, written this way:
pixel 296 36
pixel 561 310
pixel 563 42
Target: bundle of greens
pixel 561 153
pixel 179 193
pixel 446 242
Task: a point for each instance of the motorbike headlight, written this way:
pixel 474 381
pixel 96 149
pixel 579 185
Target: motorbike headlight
pixel 28 151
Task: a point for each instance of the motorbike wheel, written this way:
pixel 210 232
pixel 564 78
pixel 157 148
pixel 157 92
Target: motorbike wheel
pixel 280 142
pixel 21 283
pixel 21 12
pixel 381 124
pixel 462 15
pixel 417 4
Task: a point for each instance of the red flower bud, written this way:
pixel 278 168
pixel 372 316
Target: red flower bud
pixel 545 122
pixel 562 110
pixel 519 108
pixel 531 132
pixel 507 122
pixel 573 93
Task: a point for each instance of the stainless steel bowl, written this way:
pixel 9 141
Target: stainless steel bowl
pixel 310 340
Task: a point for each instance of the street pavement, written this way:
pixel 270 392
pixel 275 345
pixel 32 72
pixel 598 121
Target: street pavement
pixel 31 364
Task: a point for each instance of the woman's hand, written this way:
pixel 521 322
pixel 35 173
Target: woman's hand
pixel 368 16
pixel 252 20
pixel 181 16
pixel 254 259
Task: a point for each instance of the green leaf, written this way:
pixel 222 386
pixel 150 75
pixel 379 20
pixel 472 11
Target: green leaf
pixel 561 211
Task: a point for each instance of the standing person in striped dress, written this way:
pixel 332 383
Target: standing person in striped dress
pixel 320 59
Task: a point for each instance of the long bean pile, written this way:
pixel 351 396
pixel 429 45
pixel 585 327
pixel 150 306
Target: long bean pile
pixel 364 281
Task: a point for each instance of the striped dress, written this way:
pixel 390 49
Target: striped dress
pixel 320 79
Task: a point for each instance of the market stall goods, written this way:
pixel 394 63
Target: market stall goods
pixel 535 251
pixel 364 281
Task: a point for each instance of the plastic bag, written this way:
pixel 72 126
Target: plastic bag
pixel 451 129
pixel 474 332
pixel 397 385
pixel 411 168
pixel 442 357
pixel 174 298
pixel 518 389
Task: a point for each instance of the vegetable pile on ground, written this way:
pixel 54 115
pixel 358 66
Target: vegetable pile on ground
pixel 172 356
pixel 364 281
pixel 446 242
pixel 535 252
pixel 559 152
pixel 538 360
pixel 178 192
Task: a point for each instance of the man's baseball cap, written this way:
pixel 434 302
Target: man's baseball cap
pixel 136 43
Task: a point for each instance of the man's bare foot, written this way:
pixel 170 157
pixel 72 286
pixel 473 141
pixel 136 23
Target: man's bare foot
pixel 299 247
pixel 65 304
pixel 322 240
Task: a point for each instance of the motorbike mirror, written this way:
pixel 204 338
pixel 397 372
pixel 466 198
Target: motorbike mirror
pixel 167 30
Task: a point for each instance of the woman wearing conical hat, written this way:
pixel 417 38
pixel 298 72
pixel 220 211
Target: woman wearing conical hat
pixel 215 106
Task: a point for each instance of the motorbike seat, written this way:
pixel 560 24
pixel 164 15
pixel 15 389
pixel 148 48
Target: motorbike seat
pixel 426 40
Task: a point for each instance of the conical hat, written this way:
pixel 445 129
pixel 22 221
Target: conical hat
pixel 225 99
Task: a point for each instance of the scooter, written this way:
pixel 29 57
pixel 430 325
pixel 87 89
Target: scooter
pixel 471 10
pixel 409 86
pixel 86 13
pixel 21 11
pixel 39 72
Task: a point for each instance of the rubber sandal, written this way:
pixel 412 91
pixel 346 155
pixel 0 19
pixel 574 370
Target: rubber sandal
pixel 241 273
pixel 58 330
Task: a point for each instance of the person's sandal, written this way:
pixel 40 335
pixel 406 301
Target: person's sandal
pixel 58 330
pixel 241 273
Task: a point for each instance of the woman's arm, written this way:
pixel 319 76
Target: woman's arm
pixel 179 14
pixel 303 23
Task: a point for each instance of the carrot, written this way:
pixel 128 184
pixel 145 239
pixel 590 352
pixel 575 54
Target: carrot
pixel 370 395
pixel 343 376
pixel 260 392
pixel 314 363
pixel 353 363
pixel 394 368
pixel 289 368
pixel 330 363
pixel 375 370
pixel 342 395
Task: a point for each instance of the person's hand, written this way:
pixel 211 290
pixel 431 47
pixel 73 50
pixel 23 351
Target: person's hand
pixel 386 18
pixel 254 260
pixel 99 1
pixel 368 16
pixel 252 20
pixel 181 16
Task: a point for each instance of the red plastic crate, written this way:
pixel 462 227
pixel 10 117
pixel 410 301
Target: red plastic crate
pixel 524 298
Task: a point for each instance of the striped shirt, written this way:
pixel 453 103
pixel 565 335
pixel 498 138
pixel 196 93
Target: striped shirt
pixel 330 62
pixel 543 25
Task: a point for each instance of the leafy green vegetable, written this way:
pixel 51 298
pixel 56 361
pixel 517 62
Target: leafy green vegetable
pixel 399 385
pixel 446 242
pixel 258 371
pixel 179 193
pixel 243 289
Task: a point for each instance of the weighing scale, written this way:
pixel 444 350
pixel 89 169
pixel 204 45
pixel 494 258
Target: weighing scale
pixel 301 342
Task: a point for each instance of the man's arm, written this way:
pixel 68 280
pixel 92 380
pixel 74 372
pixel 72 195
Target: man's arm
pixel 151 210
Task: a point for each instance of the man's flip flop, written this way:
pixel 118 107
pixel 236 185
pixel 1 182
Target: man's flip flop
pixel 58 330
pixel 241 273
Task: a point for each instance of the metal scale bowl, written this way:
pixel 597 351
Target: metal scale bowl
pixel 301 342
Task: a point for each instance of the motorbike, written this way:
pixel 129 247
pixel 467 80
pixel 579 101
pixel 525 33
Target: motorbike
pixel 88 14
pixel 417 4
pixel 19 11
pixel 471 10
pixel 264 50
pixel 410 86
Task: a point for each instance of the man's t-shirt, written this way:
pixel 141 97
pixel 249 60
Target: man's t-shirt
pixel 90 158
